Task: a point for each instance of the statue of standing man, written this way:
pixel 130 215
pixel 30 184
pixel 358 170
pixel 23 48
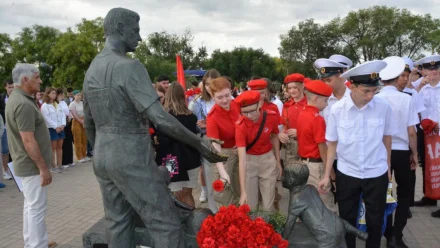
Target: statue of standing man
pixel 119 102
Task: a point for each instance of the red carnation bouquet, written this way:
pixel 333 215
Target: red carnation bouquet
pixel 232 227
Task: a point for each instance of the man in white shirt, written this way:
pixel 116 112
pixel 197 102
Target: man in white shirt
pixel 403 111
pixel 430 94
pixel 359 131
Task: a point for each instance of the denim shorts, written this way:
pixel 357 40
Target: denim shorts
pixel 5 147
pixel 56 136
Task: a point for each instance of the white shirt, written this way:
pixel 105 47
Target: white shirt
pixel 416 98
pixel 332 100
pixel 416 83
pixel 64 107
pixel 359 132
pixel 404 115
pixel 54 117
pixel 279 104
pixel 431 99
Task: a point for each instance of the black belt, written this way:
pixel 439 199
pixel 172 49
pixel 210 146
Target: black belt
pixel 312 160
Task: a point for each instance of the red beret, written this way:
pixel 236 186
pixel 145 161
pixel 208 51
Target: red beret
pixel 318 87
pixel 248 98
pixel 306 80
pixel 295 77
pixel 189 93
pixel 258 84
pixel 197 91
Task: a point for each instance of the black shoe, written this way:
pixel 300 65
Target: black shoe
pixel 409 214
pixel 398 243
pixel 425 202
pixel 390 242
pixel 436 214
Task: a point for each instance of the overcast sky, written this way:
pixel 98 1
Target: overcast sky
pixel 221 24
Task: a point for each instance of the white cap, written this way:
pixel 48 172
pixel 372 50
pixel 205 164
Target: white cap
pixel 430 62
pixel 342 59
pixel 395 67
pixel 328 67
pixel 366 73
pixel 409 63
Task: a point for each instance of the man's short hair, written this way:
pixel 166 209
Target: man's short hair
pixel 8 82
pixel 162 78
pixel 116 16
pixel 195 83
pixel 69 89
pixel 23 70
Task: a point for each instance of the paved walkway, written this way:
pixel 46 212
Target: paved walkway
pixel 75 205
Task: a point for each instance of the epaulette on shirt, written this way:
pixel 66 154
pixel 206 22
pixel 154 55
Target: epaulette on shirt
pixel 271 112
pixel 239 121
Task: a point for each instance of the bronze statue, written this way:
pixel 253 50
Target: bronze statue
pixel 119 102
pixel 326 228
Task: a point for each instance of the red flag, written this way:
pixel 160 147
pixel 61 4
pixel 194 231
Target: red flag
pixel 180 72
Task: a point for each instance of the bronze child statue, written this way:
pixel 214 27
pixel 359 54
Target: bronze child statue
pixel 326 228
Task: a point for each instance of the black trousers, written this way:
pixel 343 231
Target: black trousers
pixel 374 192
pixel 421 151
pixel 68 145
pixel 401 168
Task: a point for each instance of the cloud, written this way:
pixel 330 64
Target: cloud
pixel 216 24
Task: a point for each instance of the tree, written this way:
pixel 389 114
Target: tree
pixel 75 50
pixel 7 61
pixel 308 42
pixel 32 45
pixel 242 63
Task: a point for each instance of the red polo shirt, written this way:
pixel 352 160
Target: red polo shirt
pixel 271 106
pixel 311 132
pixel 290 114
pixel 246 131
pixel 220 124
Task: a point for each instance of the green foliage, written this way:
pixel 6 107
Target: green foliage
pixel 7 61
pixel 32 45
pixel 276 219
pixel 74 51
pixel 242 63
pixel 363 35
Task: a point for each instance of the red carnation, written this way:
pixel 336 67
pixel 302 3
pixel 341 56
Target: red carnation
pixel 151 131
pixel 218 185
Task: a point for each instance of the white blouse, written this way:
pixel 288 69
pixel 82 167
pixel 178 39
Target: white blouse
pixel 54 117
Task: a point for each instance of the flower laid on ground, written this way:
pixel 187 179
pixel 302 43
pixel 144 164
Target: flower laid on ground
pixel 218 185
pixel 232 227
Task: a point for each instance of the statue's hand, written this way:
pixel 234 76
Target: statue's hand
pixel 209 152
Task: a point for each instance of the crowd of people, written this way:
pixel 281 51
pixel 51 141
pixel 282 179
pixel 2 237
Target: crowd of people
pixel 64 119
pixel 354 128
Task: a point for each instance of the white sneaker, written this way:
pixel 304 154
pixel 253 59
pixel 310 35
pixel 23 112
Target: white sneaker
pixel 72 164
pixel 202 197
pixel 65 166
pixel 7 176
pixel 82 160
pixel 88 159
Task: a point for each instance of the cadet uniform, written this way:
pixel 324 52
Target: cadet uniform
pixel 261 165
pixel 341 59
pixel 362 155
pixel 311 132
pixel 220 124
pixel 431 99
pixel 403 111
pixel 289 118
